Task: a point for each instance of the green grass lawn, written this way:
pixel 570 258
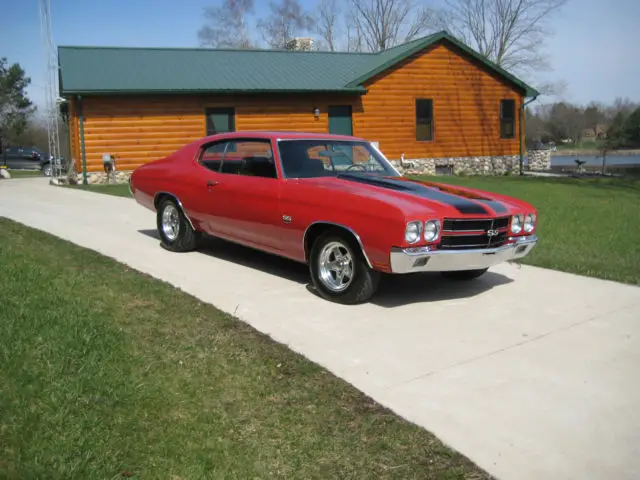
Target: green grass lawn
pixel 24 173
pixel 589 226
pixel 116 189
pixel 108 373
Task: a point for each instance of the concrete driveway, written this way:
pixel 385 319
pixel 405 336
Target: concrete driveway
pixel 531 373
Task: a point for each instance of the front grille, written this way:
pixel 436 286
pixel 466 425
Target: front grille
pixel 474 224
pixel 472 241
pixel 454 236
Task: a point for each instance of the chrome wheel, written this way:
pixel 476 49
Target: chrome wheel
pixel 47 170
pixel 170 222
pixel 335 266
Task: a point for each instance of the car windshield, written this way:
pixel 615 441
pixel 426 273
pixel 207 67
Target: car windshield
pixel 329 158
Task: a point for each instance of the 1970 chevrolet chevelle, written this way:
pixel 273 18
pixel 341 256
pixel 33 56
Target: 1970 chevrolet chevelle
pixel 333 202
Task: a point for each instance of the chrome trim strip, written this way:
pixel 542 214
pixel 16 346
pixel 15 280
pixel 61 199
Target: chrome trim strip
pixel 476 219
pixel 357 237
pixel 466 245
pixel 403 259
pixel 175 197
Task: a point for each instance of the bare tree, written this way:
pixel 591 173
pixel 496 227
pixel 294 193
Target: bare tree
pixel 287 19
pixel 227 25
pixel 328 14
pixel 355 42
pixel 620 105
pixel 511 33
pixel 382 24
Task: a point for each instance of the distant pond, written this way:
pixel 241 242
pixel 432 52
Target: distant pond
pixel 569 160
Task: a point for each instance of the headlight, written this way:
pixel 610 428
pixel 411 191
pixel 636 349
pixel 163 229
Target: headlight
pixel 529 223
pixel 431 230
pixel 412 232
pixel 516 223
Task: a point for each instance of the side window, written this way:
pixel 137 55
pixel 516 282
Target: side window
pixel 241 157
pixel 211 156
pixel 507 118
pixel 424 119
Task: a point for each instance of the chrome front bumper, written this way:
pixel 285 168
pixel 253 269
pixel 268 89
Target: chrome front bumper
pixel 421 259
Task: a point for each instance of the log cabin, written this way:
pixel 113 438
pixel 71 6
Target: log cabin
pixel 432 104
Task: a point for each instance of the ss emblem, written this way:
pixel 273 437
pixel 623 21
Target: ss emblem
pixel 492 233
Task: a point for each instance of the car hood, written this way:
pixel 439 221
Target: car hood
pixel 416 196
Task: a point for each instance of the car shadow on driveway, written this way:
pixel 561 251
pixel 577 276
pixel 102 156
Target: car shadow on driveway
pixel 398 290
pixel 248 257
pixel 394 290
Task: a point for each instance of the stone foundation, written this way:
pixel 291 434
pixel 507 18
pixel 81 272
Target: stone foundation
pixel 539 160
pixel 494 165
pixel 97 178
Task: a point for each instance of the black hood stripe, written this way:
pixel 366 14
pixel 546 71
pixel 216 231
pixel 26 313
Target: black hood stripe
pixel 494 204
pixel 460 203
pixel 497 206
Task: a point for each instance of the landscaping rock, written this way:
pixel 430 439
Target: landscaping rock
pixel 97 178
pixel 4 173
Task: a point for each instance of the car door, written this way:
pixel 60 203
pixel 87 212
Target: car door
pixel 242 200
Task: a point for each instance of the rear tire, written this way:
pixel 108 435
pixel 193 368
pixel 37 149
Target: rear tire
pixel 464 274
pixel 339 271
pixel 174 229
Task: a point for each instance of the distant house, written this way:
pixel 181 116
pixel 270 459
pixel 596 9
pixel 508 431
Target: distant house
pixel 431 98
pixel 599 132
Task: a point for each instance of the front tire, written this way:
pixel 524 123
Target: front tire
pixel 47 170
pixel 174 229
pixel 339 271
pixel 464 274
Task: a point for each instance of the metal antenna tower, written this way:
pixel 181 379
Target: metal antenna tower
pixel 51 87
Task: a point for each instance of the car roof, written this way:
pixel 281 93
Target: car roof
pixel 283 135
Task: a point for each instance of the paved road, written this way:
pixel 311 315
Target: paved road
pixel 532 373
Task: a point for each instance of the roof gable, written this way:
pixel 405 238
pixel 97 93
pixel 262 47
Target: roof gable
pixel 392 56
pixel 102 70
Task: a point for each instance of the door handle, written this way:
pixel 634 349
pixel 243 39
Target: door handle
pixel 212 183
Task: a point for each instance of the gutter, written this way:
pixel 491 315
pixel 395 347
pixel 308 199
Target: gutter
pixel 524 104
pixel 84 155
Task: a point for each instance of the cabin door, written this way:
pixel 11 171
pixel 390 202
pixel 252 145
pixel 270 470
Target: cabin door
pixel 340 120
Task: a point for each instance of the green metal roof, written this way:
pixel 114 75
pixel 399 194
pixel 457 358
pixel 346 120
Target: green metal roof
pixel 112 70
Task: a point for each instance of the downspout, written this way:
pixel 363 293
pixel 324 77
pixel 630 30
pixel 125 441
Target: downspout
pixel 522 133
pixel 84 155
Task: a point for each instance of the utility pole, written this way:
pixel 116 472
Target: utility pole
pixel 51 86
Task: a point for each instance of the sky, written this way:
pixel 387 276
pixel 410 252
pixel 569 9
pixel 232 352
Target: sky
pixel 594 49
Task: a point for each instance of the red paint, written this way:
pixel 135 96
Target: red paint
pixel 249 210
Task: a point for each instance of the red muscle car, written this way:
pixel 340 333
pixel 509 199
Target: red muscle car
pixel 332 202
